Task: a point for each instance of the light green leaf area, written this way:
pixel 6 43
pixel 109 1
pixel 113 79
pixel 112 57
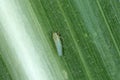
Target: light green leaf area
pixel 89 31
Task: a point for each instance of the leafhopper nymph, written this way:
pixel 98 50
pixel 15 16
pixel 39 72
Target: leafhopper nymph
pixel 58 43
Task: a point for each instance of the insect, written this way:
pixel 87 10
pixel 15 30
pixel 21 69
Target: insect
pixel 58 43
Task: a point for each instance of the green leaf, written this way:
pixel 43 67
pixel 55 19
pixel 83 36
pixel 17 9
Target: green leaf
pixel 89 31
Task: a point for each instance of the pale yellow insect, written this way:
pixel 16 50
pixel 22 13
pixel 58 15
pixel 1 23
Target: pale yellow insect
pixel 58 43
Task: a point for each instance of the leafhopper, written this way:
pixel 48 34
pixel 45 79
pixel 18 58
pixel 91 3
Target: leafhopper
pixel 58 43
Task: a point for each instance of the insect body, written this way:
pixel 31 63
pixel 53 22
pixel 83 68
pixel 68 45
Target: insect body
pixel 58 43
